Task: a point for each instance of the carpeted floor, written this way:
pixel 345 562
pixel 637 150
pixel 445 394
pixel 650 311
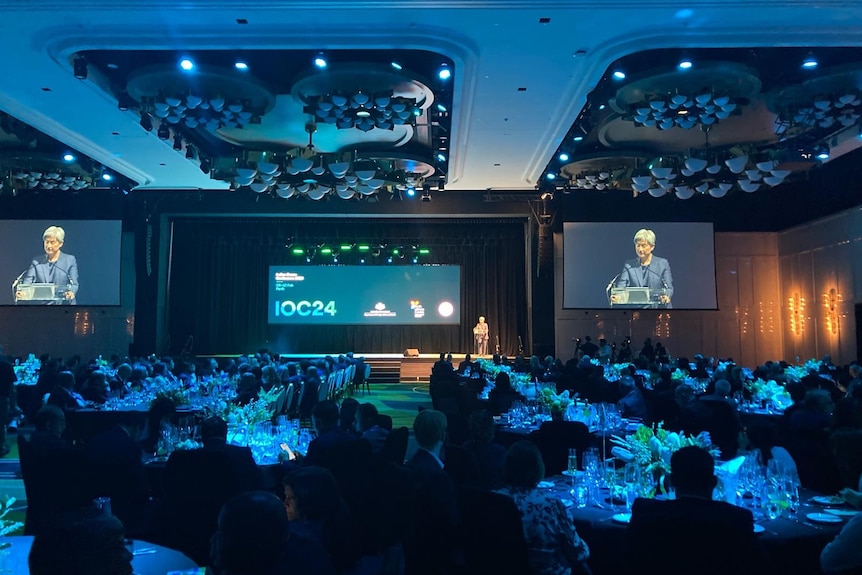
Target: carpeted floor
pixel 401 401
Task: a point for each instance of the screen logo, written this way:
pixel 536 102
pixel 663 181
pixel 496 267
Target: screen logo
pixel 380 311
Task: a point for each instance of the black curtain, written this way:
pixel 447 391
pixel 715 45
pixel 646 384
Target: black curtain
pixel 219 282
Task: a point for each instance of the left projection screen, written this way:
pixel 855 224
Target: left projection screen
pixel 371 295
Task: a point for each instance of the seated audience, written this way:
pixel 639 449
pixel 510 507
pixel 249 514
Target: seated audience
pixel 96 388
pixel 632 404
pixel 553 541
pixel 669 536
pixel 503 395
pixel 489 455
pixel 8 402
pixel 254 537
pixel 159 415
pixel 347 415
pixel 64 395
pixel 50 423
pixel 368 429
pixel 324 418
pixel 466 367
pixel 247 389
pixel 89 541
pixel 815 415
pixel 312 498
pixel 844 553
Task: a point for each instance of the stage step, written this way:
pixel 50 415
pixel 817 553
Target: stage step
pixel 384 370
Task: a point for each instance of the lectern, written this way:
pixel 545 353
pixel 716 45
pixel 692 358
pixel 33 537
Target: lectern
pixel 636 297
pixel 40 293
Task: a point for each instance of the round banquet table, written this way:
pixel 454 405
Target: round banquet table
pixel 792 545
pixel 152 559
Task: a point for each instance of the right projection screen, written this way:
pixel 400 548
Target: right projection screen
pixel 605 268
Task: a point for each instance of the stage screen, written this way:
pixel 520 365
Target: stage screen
pixel 86 271
pixel 375 295
pixel 600 263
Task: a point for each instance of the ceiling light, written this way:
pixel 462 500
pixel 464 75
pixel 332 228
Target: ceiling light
pixel 823 155
pixel 178 142
pixel 577 138
pixel 396 65
pixel 551 176
pixel 187 64
pixel 810 62
pixel 79 67
pixel 441 108
pixel 320 60
pixel 564 157
pixel 411 192
pixel 107 176
pixel 146 122
pixel 164 131
pixel 445 72
pixel 441 157
pixel 240 65
pixel 68 157
pixel 685 63
pixel 618 75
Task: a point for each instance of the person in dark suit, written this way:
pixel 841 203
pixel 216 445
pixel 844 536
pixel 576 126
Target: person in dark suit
pixel 324 418
pixel 54 267
pixel 646 270
pixel 63 395
pixel 466 367
pixel 693 533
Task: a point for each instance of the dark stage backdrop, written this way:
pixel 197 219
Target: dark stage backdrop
pixel 218 282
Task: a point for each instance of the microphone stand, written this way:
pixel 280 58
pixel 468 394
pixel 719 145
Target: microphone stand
pixel 15 285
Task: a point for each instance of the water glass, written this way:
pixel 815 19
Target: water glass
pixel 573 461
pixel 580 490
pixel 591 462
pixel 304 439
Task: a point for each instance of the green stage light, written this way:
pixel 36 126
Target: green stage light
pixel 424 251
pixel 363 247
pixel 346 247
pixel 297 251
pixel 395 252
pixel 326 250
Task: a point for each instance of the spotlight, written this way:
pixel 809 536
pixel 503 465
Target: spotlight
pixel 178 142
pixel 320 60
pixel 164 132
pixel 240 65
pixel 107 176
pixel 618 74
pixel 445 72
pixel 146 122
pixel 411 191
pixel 810 62
pixel 564 157
pixel 442 108
pixel 190 152
pixel 441 157
pixel 205 166
pixel 685 63
pixel 79 67
pixel 823 154
pixel 68 157
pixel 396 65
pixel 551 176
pixel 577 138
pixel 187 64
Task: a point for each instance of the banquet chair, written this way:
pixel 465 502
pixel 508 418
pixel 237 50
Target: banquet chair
pixel 384 421
pixel 492 533
pixel 395 447
pixel 364 381
pixel 554 440
pixel 284 401
pixel 323 391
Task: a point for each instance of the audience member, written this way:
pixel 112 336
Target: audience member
pixel 90 542
pixel 554 544
pixel 324 418
pixel 8 402
pixel 368 429
pixel 632 403
pixel 63 395
pixel 489 455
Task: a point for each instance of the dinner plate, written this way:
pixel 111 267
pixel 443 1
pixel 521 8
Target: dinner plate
pixel 843 512
pixel 622 518
pixel 823 518
pixel 573 473
pixel 828 500
pixel 759 528
pixel 545 484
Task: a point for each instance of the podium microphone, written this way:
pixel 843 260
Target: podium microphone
pixel 663 283
pixel 18 279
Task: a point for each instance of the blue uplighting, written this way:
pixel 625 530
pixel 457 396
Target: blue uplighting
pixel 187 64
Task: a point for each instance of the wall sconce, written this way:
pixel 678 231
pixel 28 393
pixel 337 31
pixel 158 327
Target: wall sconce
pixel 796 307
pixel 831 299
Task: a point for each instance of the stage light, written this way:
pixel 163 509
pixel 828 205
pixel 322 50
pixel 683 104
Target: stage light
pixel 240 65
pixel 345 247
pixel 823 155
pixel 146 122
pixel 396 65
pixel 564 157
pixel 79 68
pixel 107 176
pixel 187 64
pixel 297 251
pixel 810 62
pixel 445 72
pixel 415 260
pixel 388 260
pixel 362 260
pixel 178 142
pixel 411 192
pixel 363 247
pixel 618 74
pixel 124 102
pixel 426 197
pixel 442 108
pixel 320 61
pixel 441 157
pixel 68 157
pixel 164 132
pixel 577 138
pixel 685 63
pixel 424 251
pixel 190 152
pixel 551 176
pixel 326 250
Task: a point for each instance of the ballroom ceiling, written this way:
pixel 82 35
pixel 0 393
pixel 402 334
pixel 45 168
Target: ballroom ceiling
pixel 526 78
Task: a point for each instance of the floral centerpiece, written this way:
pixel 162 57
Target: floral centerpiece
pixel 8 527
pixel 652 449
pixel 175 394
pixel 614 371
pixel 557 403
pixel 256 411
pixel 769 390
pixel 27 373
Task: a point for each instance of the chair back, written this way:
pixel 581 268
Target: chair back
pixel 395 447
pixel 555 438
pixel 492 533
pixel 323 391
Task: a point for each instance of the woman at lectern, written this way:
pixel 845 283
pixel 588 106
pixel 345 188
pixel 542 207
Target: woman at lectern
pixel 55 267
pixel 646 270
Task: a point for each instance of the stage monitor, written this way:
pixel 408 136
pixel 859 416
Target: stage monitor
pixel 373 295
pixel 60 262
pixel 604 267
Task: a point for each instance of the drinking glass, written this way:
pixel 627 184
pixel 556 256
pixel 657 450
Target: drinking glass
pixel 791 489
pixel 304 439
pixel 580 491
pixel 591 462
pixel 774 502
pixel 573 461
